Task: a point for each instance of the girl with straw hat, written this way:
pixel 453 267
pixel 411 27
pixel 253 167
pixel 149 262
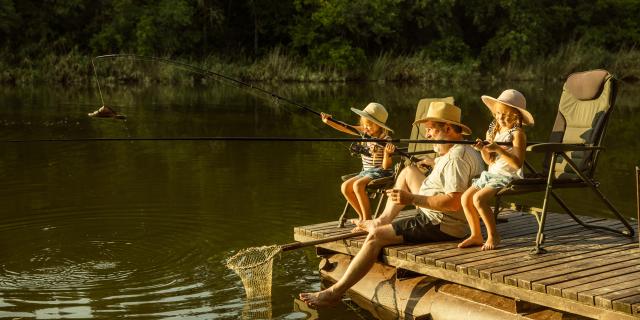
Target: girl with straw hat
pixel 376 161
pixel 505 164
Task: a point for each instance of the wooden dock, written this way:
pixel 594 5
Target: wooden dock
pixel 593 274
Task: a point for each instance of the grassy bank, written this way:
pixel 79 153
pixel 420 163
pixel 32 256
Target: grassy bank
pixel 76 69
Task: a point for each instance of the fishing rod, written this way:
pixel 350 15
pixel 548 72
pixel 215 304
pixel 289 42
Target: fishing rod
pixel 258 139
pixel 223 77
pixel 234 81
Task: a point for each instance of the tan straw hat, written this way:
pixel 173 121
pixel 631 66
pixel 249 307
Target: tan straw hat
pixel 512 98
pixel 374 112
pixel 445 112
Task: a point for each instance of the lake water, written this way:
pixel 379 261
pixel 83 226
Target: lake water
pixel 142 228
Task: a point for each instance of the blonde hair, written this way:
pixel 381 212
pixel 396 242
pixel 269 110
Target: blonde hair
pixel 494 127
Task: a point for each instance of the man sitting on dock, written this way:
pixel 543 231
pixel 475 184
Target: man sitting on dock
pixel 437 197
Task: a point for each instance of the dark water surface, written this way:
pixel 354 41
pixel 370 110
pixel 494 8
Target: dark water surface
pixel 142 229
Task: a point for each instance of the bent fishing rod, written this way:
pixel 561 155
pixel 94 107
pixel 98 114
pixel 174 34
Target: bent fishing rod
pixel 213 74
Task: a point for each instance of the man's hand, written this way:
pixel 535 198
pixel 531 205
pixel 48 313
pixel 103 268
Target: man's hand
pixel 399 196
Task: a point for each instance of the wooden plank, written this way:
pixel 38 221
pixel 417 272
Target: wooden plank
pixel 446 259
pixel 619 296
pixel 600 293
pixel 627 305
pixel 508 247
pixel 524 280
pixel 554 285
pixel 586 293
pixel 531 262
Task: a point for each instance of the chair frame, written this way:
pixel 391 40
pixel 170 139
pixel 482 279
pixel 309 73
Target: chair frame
pixel 560 150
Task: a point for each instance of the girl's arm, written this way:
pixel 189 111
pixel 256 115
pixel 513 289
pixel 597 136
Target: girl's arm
pixel 515 157
pixel 326 119
pixel 387 162
pixel 484 152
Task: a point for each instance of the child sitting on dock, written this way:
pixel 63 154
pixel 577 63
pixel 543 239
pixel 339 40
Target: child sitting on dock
pixel 375 165
pixel 505 164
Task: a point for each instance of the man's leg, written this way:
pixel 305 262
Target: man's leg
pixel 360 265
pixel 409 179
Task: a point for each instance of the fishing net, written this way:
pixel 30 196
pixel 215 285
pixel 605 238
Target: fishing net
pixel 254 267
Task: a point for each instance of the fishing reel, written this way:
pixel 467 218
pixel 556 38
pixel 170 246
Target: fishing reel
pixel 357 148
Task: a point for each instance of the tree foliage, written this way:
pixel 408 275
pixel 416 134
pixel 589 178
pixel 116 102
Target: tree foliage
pixel 339 34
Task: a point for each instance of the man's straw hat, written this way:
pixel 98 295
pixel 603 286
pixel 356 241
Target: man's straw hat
pixel 445 112
pixel 376 113
pixel 512 98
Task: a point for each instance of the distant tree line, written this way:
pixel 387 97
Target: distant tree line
pixel 336 33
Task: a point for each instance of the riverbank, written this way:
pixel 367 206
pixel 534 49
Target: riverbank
pixel 75 68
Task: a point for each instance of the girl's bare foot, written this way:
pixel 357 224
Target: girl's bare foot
pixel 324 298
pixel 472 241
pixel 357 229
pixel 491 243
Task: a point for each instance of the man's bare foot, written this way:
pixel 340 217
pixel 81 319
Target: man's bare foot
pixel 367 225
pixel 324 298
pixel 491 243
pixel 470 242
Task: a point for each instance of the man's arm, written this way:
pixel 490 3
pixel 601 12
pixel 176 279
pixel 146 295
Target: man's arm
pixel 443 202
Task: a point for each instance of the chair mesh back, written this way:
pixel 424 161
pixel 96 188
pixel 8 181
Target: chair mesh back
pixel 416 132
pixel 585 105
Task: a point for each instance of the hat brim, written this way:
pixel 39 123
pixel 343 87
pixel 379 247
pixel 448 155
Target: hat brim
pixel 490 102
pixel 368 116
pixel 465 130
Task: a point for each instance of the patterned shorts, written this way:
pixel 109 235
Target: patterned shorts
pixel 375 173
pixel 491 180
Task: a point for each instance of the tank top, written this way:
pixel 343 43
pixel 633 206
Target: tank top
pixel 500 165
pixel 376 154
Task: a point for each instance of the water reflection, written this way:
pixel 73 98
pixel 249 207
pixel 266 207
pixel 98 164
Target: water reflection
pixel 114 229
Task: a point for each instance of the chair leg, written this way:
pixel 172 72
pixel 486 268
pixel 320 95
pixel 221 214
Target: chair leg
pixel 629 232
pixel 496 210
pixel 343 217
pixel 540 235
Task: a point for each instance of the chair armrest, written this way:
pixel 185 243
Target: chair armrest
pixel 561 147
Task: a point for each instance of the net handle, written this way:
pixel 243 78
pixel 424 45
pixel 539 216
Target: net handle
pixel 297 245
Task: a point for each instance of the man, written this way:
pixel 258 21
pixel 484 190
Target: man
pixel 437 197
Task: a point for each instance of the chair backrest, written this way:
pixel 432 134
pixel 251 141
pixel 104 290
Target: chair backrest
pixel 583 113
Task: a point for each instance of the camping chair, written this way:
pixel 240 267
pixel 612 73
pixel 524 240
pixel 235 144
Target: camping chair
pixel 572 153
pixel 376 188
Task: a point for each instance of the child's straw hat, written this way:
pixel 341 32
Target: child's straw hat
pixel 376 113
pixel 445 112
pixel 512 98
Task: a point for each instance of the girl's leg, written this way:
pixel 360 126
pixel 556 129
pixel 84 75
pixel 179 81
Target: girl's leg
pixel 347 191
pixel 360 189
pixel 481 201
pixel 470 212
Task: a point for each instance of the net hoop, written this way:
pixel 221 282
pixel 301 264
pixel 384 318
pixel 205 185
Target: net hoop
pixel 264 255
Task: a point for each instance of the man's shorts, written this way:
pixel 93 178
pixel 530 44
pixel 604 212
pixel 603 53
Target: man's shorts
pixel 375 173
pixel 491 180
pixel 418 229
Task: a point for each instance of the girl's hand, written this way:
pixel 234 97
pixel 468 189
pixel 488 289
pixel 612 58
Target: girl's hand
pixel 492 147
pixel 479 144
pixel 325 117
pixel 389 149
